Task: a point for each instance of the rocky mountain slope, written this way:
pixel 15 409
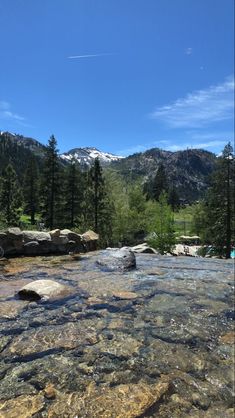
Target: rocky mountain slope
pixel 188 170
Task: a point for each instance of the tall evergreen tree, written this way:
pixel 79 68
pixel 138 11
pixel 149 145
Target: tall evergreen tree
pixel 10 197
pixel 219 204
pixel 98 207
pixel 73 194
pixel 157 185
pixel 30 189
pixel 51 187
pixel 160 184
pixel 173 199
pixel 96 193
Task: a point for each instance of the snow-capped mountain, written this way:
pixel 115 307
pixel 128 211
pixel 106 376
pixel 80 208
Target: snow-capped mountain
pixel 86 156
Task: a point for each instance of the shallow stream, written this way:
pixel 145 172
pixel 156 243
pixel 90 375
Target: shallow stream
pixel 157 341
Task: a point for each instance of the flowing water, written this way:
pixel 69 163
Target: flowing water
pixel 157 341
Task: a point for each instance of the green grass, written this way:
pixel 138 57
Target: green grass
pixel 183 221
pixel 26 223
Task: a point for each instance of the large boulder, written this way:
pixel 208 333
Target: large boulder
pixel 60 240
pixel 89 240
pixel 42 289
pixel 123 259
pixel 36 236
pixel 54 233
pixel 72 236
pixel 14 233
pixel 31 248
pixel 11 241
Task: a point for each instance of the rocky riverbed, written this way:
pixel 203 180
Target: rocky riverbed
pixel 157 341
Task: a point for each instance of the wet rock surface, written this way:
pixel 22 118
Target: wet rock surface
pixel 153 342
pixel 123 259
pixel 43 289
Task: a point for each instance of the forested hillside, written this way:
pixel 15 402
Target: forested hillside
pixel 129 201
pixel 18 151
pixel 187 171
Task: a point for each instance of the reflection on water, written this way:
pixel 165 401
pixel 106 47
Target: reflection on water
pixel 154 342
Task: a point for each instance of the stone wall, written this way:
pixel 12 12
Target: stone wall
pixel 14 242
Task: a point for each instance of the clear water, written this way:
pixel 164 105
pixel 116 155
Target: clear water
pixel 157 341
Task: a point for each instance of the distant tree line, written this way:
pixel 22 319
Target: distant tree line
pixel 63 196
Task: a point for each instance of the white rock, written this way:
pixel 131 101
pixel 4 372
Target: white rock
pixel 42 289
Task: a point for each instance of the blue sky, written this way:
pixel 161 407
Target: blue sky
pixel 120 75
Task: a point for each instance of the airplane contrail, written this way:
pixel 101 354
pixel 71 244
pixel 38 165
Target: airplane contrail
pixel 88 55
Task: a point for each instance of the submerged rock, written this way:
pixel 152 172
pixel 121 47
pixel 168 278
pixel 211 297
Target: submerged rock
pixel 67 337
pixel 122 401
pixel 42 289
pixel 10 309
pixel 24 406
pixel 125 295
pixel 123 259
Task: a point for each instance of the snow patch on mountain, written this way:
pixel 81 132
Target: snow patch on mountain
pixel 87 156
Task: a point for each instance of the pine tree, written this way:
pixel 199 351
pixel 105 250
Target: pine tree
pixel 73 194
pixel 160 184
pixel 10 197
pixel 161 226
pixel 173 199
pixel 30 189
pixel 157 185
pixel 51 186
pixel 98 207
pixel 95 195
pixel 219 204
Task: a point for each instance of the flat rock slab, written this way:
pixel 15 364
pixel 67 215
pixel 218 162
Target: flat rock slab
pixel 36 236
pixel 11 309
pixel 122 401
pixel 24 406
pixel 122 295
pixel 45 289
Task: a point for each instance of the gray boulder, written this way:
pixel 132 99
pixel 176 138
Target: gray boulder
pixel 36 236
pixel 42 289
pixel 31 248
pixel 54 233
pixel 14 233
pixel 123 259
pixel 12 241
pixel 89 240
pixel 72 236
pixel 61 240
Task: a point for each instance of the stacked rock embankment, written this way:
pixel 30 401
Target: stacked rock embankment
pixel 15 242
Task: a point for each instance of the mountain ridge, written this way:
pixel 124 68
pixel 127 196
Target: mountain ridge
pixel 187 170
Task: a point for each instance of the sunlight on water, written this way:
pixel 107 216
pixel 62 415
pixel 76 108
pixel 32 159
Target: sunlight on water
pixel 153 342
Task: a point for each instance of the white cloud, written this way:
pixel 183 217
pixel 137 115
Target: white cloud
pixel 6 113
pixel 89 56
pixel 198 145
pixel 188 51
pixel 202 107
